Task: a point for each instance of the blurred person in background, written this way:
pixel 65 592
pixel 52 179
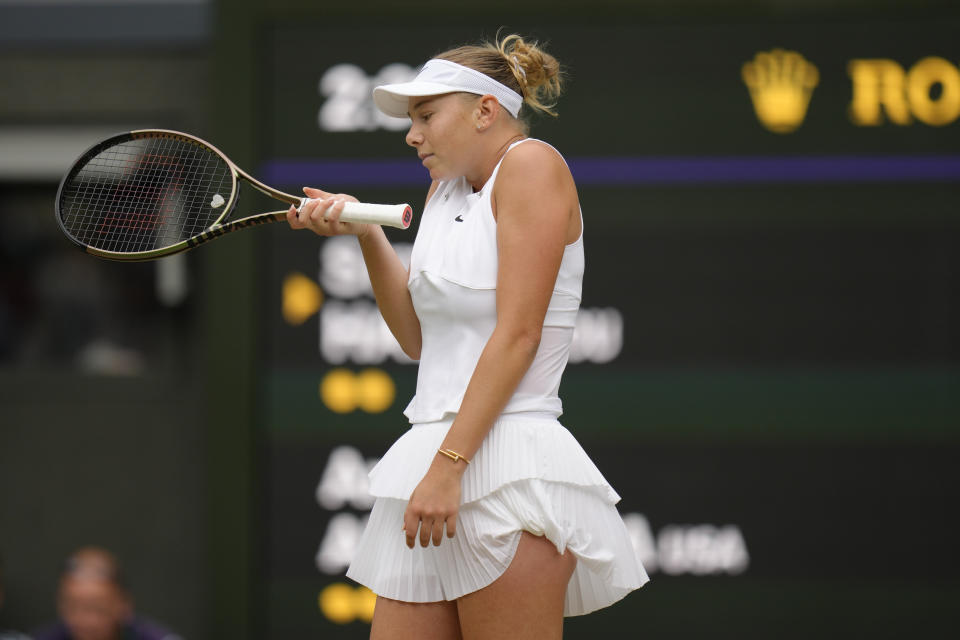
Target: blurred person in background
pixel 93 603
pixel 6 634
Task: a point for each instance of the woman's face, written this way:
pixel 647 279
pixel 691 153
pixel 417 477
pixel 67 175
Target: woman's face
pixel 440 130
pixel 93 609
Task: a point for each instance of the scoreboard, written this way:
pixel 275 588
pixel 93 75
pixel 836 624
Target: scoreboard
pixel 767 362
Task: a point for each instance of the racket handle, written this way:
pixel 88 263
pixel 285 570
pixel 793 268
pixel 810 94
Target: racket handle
pixel 391 215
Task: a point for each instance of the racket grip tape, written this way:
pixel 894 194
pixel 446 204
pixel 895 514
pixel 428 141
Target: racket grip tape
pixel 390 215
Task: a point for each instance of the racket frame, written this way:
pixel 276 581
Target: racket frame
pixel 219 227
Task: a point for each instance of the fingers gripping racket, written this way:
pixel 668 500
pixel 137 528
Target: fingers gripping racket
pixel 152 193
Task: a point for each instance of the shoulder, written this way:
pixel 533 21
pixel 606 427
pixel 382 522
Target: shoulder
pixel 535 172
pixel 53 631
pixel 145 629
pixel 533 167
pixel 534 156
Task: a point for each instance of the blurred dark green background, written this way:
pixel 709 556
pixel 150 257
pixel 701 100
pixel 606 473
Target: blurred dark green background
pixel 768 373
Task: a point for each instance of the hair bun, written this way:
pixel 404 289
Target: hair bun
pixel 536 71
pixel 518 64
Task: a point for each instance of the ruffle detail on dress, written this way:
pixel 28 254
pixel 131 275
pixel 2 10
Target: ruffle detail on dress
pixel 573 518
pixel 517 447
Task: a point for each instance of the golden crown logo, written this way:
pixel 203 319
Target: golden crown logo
pixel 781 84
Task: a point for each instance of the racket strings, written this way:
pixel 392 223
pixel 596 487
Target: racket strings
pixel 143 194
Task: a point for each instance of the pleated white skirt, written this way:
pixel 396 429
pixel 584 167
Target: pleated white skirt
pixel 530 474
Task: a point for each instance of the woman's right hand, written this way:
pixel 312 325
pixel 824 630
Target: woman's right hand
pixel 321 214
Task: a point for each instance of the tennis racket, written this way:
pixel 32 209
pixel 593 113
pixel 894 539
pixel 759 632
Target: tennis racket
pixel 151 193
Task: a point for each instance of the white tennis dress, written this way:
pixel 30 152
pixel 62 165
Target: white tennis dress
pixel 530 474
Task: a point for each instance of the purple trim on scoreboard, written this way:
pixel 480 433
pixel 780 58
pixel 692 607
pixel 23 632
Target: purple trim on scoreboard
pixel 764 169
pixel 643 170
pixel 345 173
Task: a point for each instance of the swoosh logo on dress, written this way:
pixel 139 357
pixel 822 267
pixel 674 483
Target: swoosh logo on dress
pixel 459 218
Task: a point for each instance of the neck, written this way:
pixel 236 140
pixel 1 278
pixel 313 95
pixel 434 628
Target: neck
pixel 492 151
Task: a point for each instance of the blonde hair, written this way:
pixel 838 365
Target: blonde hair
pixel 518 64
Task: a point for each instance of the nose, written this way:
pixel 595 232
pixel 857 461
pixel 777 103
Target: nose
pixel 413 136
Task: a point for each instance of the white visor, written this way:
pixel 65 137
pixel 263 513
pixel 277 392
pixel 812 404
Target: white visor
pixel 442 76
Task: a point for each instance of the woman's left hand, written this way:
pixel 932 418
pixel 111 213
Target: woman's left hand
pixel 434 503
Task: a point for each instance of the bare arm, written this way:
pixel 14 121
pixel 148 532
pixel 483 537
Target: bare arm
pixel 535 199
pixel 388 276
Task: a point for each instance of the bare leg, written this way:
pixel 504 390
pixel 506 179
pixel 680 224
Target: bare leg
pixel 526 602
pixel 395 620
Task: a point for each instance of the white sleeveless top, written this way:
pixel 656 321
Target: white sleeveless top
pixel 453 277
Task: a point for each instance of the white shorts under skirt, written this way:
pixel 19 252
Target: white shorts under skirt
pixel 530 474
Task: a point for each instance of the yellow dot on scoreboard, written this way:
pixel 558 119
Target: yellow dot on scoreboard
pixel 301 298
pixel 338 603
pixel 338 390
pixel 376 390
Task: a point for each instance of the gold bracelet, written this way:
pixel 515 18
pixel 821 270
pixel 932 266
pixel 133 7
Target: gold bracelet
pixel 453 455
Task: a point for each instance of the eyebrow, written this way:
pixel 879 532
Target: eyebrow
pixel 419 104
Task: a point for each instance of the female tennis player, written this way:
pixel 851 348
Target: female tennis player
pixel 490 520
